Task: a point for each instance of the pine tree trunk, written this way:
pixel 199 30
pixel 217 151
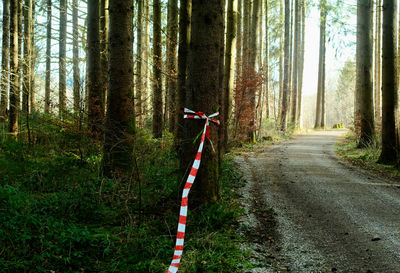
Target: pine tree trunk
pixel 378 62
pixel 48 59
pixel 172 61
pixel 26 64
pixel 230 57
pixel 202 93
pixel 146 61
pixel 5 59
pixel 246 35
pixel 389 78
pixel 120 121
pixel 157 66
pixel 239 34
pixel 62 57
pixel 185 14
pixel 301 65
pixel 95 111
pixel 296 57
pixel 32 97
pixel 364 71
pixel 75 58
pixel 14 75
pixel 320 108
pixel 286 76
pixel 266 61
pixel 139 63
pixel 281 56
pixel 20 42
pixel 104 24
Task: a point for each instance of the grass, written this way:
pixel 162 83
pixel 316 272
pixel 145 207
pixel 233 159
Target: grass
pixel 365 157
pixel 58 215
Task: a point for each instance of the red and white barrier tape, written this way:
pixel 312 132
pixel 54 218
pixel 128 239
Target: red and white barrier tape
pixel 180 237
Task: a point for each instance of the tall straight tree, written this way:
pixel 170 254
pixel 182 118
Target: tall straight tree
pixel 157 66
pixel 26 85
pixel 185 14
pixel 389 83
pixel 239 34
pixel 286 76
pixel 62 89
pixel 14 75
pixel 364 71
pixel 378 61
pixel 32 95
pixel 301 64
pixel 5 57
pixel 48 58
pixel 104 24
pixel 202 93
pixel 230 54
pixel 266 61
pixel 120 120
pixel 296 60
pixel 172 61
pixel 139 61
pixel 95 111
pixel 75 58
pixel 320 108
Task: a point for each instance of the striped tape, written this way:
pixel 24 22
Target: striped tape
pixel 180 237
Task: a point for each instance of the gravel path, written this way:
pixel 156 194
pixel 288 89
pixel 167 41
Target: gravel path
pixel 308 212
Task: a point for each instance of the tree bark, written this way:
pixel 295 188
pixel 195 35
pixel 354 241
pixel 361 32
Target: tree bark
pixel 95 111
pixel 5 59
pixel 157 66
pixel 14 75
pixel 48 59
pixel 26 64
pixel 202 93
pixel 378 62
pixel 120 121
pixel 364 71
pixel 296 57
pixel 32 97
pixel 301 65
pixel 266 61
pixel 320 108
pixel 230 54
pixel 239 34
pixel 75 58
pixel 172 61
pixel 139 63
pixel 286 76
pixel 62 58
pixel 104 31
pixel 389 80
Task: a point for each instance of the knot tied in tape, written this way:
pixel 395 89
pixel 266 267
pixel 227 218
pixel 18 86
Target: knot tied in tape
pixel 189 114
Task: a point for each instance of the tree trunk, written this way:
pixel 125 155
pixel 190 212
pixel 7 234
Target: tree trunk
pixel 139 63
pixel 75 42
pixel 95 111
pixel 104 24
pixel 26 64
pixel 389 88
pixel 48 59
pixel 266 61
pixel 296 57
pixel 157 66
pixel 320 109
pixel 364 71
pixel 301 65
pixel 5 58
pixel 62 58
pixel 230 54
pixel 286 76
pixel 120 121
pixel 146 61
pixel 378 62
pixel 172 61
pixel 239 34
pixel 246 35
pixel 202 93
pixel 14 75
pixel 185 14
pixel 281 56
pixel 32 97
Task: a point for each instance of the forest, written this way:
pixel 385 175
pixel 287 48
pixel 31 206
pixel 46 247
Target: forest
pixel 106 106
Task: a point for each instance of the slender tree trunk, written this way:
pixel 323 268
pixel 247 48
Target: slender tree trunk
pixel 14 75
pixel 172 61
pixel 32 97
pixel 239 34
pixel 62 57
pixel 378 62
pixel 281 55
pixel 230 55
pixel 48 59
pixel 157 66
pixel 364 71
pixel 26 64
pixel 146 61
pixel 5 59
pixel 301 64
pixel 104 24
pixel 185 14
pixel 139 62
pixel 202 93
pixel 75 42
pixel 20 42
pixel 95 111
pixel 389 79
pixel 296 57
pixel 320 109
pixel 286 76
pixel 266 61
pixel 246 35
pixel 120 121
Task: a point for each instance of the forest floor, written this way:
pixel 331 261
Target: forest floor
pixel 308 211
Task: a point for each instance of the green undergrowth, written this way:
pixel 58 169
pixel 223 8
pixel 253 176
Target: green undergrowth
pixel 367 157
pixel 58 215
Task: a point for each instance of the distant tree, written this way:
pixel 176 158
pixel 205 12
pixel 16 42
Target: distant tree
pixel 5 58
pixel 75 58
pixel 139 62
pixel 286 76
pixel 48 58
pixel 389 83
pixel 62 57
pixel 26 85
pixel 301 64
pixel 296 60
pixel 344 94
pixel 120 120
pixel 378 61
pixel 202 93
pixel 157 66
pixel 14 75
pixel 364 71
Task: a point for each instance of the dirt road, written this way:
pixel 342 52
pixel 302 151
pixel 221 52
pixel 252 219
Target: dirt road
pixel 308 212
